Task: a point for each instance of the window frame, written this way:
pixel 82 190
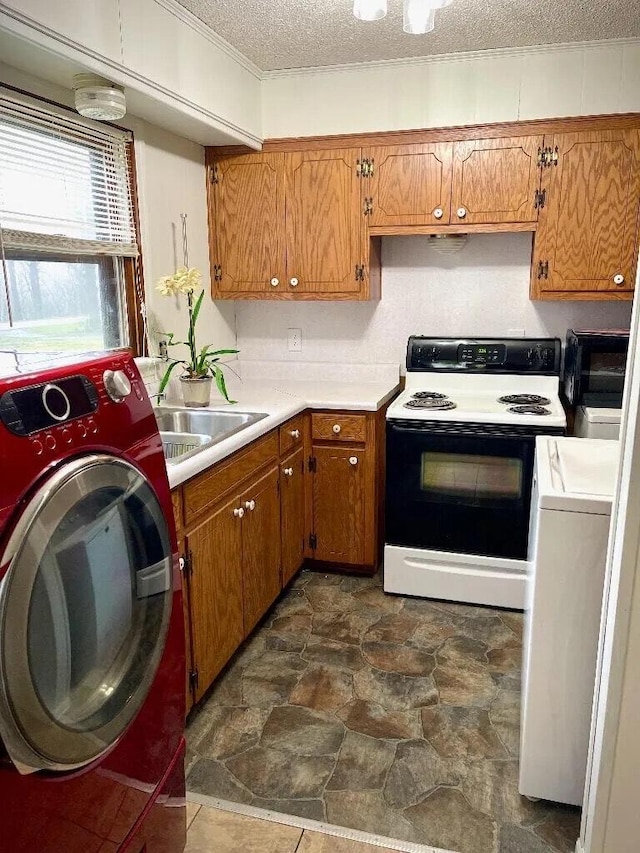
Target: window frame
pixel 133 289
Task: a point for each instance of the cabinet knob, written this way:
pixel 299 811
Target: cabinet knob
pixel 288 472
pixel 295 433
pixel 274 282
pixel 461 212
pixel 618 279
pixel 353 460
pixel 238 512
pixel 337 429
pixel 250 505
pixel 438 213
pixel 294 282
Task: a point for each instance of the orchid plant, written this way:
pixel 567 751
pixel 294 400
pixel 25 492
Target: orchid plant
pixel 206 361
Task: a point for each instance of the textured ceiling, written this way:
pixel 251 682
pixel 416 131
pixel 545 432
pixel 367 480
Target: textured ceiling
pixel 277 34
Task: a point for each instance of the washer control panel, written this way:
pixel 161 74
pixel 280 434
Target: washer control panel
pixel 40 407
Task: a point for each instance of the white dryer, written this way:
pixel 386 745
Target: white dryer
pixel 595 422
pixel 570 514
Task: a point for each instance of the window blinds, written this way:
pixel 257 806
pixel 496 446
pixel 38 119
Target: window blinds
pixel 65 183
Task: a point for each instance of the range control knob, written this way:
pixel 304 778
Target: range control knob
pixel 116 384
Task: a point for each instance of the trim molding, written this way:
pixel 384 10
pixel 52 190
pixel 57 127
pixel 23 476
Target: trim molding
pixel 491 53
pixel 120 73
pixel 210 35
pixel 304 823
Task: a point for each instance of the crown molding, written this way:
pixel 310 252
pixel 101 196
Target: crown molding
pixel 492 53
pixel 206 32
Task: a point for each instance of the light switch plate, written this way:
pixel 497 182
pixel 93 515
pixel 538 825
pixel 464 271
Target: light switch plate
pixel 294 337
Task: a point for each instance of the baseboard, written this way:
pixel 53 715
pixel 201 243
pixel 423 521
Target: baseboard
pixel 313 825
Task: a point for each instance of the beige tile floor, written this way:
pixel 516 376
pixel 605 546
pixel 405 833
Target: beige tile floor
pixel 216 831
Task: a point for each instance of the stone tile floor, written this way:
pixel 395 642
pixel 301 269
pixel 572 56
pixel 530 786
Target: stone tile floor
pixel 392 715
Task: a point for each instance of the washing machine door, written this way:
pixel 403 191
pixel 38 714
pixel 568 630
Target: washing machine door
pixel 85 602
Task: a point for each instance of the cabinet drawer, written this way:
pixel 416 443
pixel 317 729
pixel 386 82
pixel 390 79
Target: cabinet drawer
pixel 291 434
pixel 339 427
pixel 205 490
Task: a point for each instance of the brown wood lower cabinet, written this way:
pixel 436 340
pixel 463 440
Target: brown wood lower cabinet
pixel 215 580
pixel 292 481
pixel 261 576
pixel 244 526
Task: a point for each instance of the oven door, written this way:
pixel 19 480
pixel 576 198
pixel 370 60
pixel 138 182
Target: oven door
pixel 459 488
pixel 85 602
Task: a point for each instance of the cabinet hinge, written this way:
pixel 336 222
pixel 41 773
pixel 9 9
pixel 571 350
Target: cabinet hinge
pixel 193 679
pixel 213 173
pixel 359 167
pixel 367 208
pixel 543 269
pixel 312 464
pixel 217 272
pixel 539 199
pixel 313 541
pixel 547 156
pixel 359 273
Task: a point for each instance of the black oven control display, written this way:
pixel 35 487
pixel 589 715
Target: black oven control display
pixel 482 353
pixel 29 410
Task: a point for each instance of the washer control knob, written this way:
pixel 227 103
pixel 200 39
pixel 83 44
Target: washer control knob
pixel 117 384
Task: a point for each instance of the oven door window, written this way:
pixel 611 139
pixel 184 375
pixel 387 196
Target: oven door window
pixel 84 612
pixel 462 492
pixel 474 479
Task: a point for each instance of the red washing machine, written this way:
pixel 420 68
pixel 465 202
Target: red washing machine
pixel 91 625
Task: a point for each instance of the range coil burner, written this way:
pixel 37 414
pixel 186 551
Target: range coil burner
pixel 529 410
pixel 430 403
pixel 428 395
pixel 525 400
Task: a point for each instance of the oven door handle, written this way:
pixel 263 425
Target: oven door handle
pixel 462 431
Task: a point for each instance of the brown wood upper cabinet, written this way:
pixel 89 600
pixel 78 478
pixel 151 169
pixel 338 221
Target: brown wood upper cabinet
pixel 496 180
pixel 246 207
pixel 290 225
pixel 586 245
pixel 407 184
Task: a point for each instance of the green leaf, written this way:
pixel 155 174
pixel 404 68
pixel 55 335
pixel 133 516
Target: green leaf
pixel 222 387
pixel 196 307
pixel 167 375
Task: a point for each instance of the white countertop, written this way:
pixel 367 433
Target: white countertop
pixel 281 399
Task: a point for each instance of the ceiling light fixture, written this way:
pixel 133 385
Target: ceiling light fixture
pixel 369 10
pixel 98 98
pixel 419 16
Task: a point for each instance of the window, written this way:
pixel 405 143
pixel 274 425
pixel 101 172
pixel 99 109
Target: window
pixel 68 243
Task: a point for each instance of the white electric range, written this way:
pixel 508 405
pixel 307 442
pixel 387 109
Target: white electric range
pixel 460 454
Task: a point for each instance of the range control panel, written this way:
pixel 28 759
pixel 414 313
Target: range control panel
pixel 488 355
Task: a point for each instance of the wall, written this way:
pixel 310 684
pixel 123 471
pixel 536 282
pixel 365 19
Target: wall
pixel 483 290
pixel 472 88
pixel 171 181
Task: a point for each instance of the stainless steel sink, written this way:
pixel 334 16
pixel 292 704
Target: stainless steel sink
pixel 185 432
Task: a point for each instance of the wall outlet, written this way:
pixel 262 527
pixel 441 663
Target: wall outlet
pixel 294 337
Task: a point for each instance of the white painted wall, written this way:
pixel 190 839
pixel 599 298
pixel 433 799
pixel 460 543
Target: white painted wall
pixel 171 181
pixel 472 88
pixel 483 290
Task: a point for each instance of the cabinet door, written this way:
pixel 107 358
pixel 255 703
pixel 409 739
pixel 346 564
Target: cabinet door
pixel 260 548
pixel 410 184
pixel 325 224
pixel 343 497
pixel 293 516
pixel 495 180
pixel 247 224
pixel 586 243
pixel 215 588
